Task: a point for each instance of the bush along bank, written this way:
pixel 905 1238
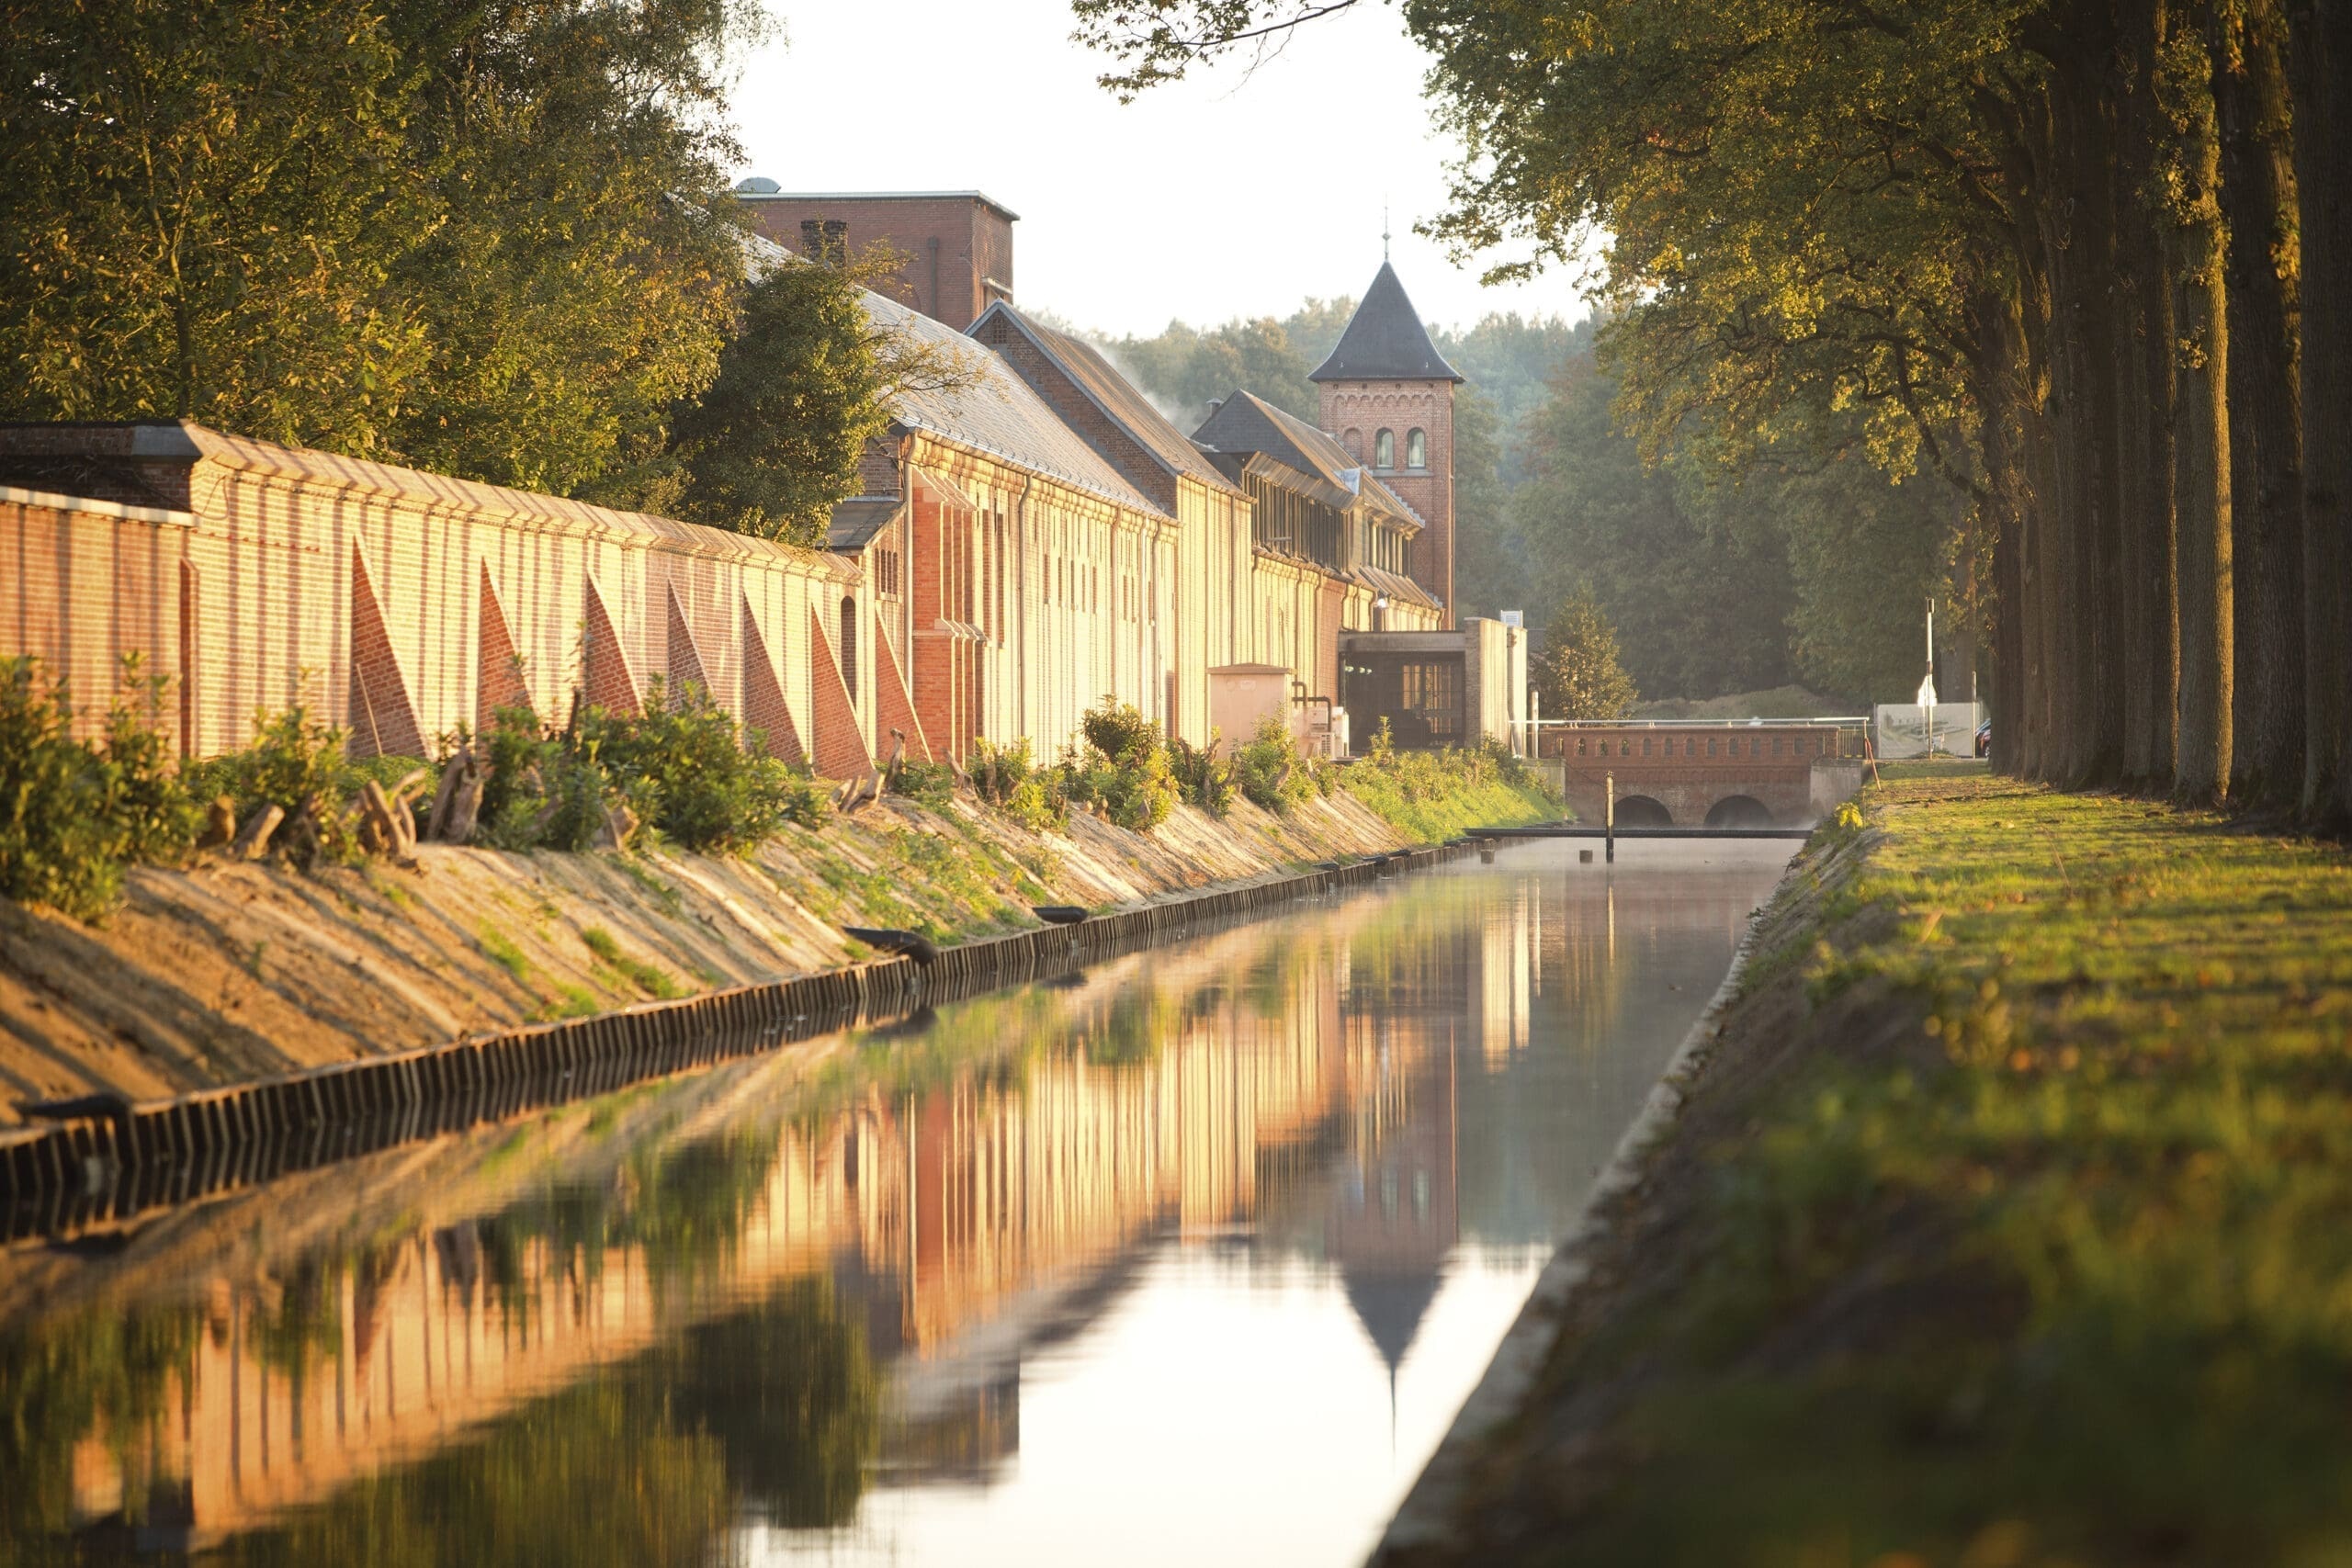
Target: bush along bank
pixel 203 966
pixel 2001 1223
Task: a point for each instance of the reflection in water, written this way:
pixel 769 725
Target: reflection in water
pixel 1196 1256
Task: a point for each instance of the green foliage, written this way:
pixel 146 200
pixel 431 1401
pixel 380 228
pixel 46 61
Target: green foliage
pixel 926 784
pixel 774 440
pixel 679 765
pixel 73 814
pixel 1008 779
pixel 1431 796
pixel 1576 668
pixel 1270 770
pixel 1122 769
pixel 1205 780
pixel 480 238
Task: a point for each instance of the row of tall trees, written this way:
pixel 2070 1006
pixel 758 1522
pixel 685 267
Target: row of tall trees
pixel 2082 260
pixel 491 239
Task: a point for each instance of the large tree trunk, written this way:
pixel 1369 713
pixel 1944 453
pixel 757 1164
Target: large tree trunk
pixel 2200 428
pixel 2001 438
pixel 2264 394
pixel 2323 139
pixel 2086 746
pixel 2150 665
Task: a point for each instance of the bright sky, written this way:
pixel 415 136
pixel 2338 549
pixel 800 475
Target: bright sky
pixel 1216 197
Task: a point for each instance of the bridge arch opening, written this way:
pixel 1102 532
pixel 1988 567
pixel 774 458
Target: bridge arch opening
pixel 1643 811
pixel 1739 811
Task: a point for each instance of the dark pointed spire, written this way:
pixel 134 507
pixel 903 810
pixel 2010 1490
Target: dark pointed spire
pixel 1386 340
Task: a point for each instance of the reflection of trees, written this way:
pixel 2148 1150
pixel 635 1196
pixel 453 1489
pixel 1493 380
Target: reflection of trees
pixel 102 1372
pixel 596 1476
pixel 774 1411
pixel 789 1392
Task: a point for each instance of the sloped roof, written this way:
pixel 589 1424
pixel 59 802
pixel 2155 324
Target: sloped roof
pixel 999 413
pixel 178 445
pixel 1117 397
pixel 1385 341
pixel 1245 422
pixel 857 520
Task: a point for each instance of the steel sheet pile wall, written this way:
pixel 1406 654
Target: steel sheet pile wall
pixel 106 1158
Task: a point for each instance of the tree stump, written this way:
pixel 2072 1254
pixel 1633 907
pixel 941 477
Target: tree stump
pixel 252 841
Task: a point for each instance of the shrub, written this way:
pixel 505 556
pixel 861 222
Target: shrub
pixel 1205 781
pixel 1123 769
pixel 1010 780
pixel 1270 770
pixel 1119 731
pixel 72 815
pixel 678 765
pixel 925 783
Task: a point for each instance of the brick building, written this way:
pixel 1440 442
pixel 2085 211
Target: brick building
pixel 1388 394
pixel 1024 544
pixel 957 243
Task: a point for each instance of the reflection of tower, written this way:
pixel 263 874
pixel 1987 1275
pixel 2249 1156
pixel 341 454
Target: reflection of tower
pixel 1395 1215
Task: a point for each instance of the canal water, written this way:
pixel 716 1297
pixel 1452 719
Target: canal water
pixel 1189 1259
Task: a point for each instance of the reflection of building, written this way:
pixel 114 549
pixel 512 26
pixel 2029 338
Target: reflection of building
pixel 1172 1096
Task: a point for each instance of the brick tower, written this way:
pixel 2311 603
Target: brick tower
pixel 1388 396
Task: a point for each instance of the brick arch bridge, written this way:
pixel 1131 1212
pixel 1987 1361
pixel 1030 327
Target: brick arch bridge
pixel 1688 775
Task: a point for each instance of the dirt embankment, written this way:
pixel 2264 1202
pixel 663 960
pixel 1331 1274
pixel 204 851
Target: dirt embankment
pixel 226 973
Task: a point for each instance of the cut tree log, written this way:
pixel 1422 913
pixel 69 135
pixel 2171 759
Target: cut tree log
pixel 457 808
pixel 220 824
pixel 620 827
pixel 252 841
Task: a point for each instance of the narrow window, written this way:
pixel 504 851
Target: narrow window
pixel 1417 449
pixel 1383 449
pixel 849 644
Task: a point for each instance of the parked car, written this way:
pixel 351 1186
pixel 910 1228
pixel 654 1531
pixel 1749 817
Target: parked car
pixel 1984 738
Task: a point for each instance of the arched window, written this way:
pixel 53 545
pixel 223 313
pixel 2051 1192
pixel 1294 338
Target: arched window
pixel 1354 441
pixel 849 644
pixel 1417 449
pixel 1383 449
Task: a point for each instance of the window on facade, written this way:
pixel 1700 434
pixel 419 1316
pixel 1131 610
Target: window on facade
pixel 1417 449
pixel 824 240
pixel 849 644
pixel 1383 449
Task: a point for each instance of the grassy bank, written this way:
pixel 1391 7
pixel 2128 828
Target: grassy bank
pixel 214 971
pixel 1430 796
pixel 2007 1223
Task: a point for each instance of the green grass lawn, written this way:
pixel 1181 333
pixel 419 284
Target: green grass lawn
pixel 1430 796
pixel 2044 1253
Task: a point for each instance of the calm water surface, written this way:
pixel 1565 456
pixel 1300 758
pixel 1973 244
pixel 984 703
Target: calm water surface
pixel 1188 1259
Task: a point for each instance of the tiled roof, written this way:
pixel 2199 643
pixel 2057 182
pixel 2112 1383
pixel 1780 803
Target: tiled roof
pixel 1245 422
pixel 1385 341
pixel 999 413
pixel 180 444
pixel 857 520
pixel 1115 395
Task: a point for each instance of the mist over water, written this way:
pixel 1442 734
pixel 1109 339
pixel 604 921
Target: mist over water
pixel 1192 1258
